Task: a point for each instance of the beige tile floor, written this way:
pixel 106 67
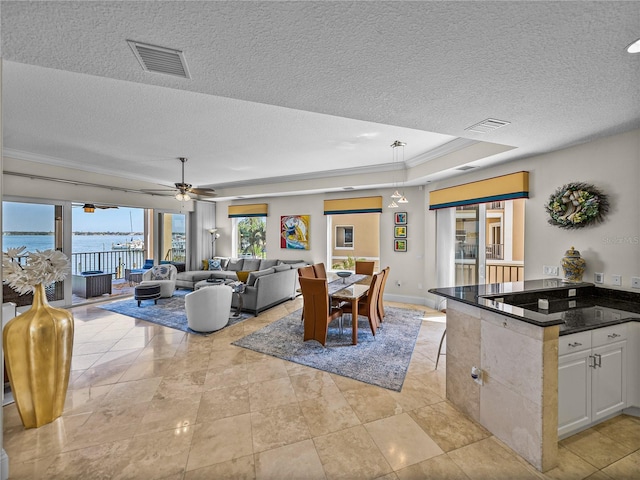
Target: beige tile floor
pixel 148 402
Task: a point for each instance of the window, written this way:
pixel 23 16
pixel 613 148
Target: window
pixel 251 234
pixel 344 237
pixel 343 250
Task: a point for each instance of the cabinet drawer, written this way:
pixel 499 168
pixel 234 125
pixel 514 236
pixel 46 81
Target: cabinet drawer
pixel 574 342
pixel 607 335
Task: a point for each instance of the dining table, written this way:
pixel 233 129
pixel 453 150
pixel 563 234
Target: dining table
pixel 351 289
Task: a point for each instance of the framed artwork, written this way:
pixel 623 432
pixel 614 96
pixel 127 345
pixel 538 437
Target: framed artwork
pixel 400 218
pixel 400 231
pixel 294 231
pixel 399 245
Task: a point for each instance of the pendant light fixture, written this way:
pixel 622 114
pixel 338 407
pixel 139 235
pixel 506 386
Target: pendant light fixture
pixel 395 156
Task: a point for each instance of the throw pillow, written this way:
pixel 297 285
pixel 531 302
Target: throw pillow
pixel 253 276
pixel 214 264
pixel 251 264
pixel 235 265
pixel 160 272
pixel 205 264
pixel 242 276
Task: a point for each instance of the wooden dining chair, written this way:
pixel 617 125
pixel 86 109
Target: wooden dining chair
pixel 317 312
pixel 381 312
pixel 369 307
pixel 305 272
pixel 321 272
pixel 365 267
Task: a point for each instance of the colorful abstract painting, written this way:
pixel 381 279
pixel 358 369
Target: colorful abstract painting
pixel 294 231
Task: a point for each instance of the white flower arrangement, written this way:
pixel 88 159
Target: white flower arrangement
pixel 23 270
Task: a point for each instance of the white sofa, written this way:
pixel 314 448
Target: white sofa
pixel 163 275
pixel 208 308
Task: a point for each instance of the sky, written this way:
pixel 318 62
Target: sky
pixel 38 217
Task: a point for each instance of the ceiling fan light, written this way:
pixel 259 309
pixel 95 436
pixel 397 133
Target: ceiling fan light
pixel 395 195
pixel 89 208
pixel 183 197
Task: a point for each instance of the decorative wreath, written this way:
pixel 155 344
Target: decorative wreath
pixel 576 205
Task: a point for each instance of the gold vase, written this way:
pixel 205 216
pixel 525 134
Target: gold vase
pixel 37 349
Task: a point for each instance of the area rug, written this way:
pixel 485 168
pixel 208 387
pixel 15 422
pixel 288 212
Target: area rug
pixel 169 312
pixel 381 361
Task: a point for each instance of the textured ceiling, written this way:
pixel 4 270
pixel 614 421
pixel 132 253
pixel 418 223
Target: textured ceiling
pixel 292 89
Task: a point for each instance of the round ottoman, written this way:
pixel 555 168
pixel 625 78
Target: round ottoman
pixel 147 292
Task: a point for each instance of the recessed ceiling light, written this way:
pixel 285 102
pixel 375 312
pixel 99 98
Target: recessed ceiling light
pixel 634 47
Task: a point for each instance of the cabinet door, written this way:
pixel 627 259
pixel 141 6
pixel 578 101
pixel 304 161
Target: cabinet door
pixel 609 380
pixel 574 391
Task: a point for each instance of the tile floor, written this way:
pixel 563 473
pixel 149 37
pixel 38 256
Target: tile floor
pixel 148 402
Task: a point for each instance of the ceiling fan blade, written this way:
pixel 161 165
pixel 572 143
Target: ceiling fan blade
pixel 104 207
pixel 204 192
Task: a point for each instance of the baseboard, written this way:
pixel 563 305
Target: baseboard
pixel 4 465
pixel 410 299
pixel 633 411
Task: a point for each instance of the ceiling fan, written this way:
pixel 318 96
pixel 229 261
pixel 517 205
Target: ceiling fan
pixel 91 207
pixel 185 190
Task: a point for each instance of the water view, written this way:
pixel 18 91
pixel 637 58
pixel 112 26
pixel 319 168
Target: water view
pixel 80 243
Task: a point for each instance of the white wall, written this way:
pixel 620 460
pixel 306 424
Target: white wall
pixel 406 268
pixel 612 164
pixel 613 247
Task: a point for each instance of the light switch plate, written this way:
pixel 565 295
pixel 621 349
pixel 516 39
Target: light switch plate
pixel 598 277
pixel 550 270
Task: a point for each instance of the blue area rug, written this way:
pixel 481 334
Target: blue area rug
pixel 169 312
pixel 381 361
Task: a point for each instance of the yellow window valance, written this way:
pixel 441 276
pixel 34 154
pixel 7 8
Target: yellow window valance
pixel 353 205
pixel 505 187
pixel 250 210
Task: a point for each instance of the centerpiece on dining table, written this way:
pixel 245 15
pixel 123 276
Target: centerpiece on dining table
pixel 344 275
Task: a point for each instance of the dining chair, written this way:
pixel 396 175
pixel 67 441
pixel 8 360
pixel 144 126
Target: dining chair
pixel 369 308
pixel 381 312
pixel 317 312
pixel 305 272
pixel 321 272
pixel 364 267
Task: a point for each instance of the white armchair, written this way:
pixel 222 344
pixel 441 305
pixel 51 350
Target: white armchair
pixel 208 308
pixel 163 275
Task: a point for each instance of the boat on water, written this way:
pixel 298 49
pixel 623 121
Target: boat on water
pixel 134 244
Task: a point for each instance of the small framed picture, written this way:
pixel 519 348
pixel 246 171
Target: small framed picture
pixel 400 231
pixel 400 245
pixel 401 218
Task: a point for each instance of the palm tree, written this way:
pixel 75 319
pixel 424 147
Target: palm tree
pixel 252 237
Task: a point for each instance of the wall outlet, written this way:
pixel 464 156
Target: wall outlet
pixel 598 278
pixel 549 270
pixel 616 280
pixel 635 282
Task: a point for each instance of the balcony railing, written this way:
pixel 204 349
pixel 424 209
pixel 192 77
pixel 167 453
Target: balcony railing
pixel 495 251
pixel 115 262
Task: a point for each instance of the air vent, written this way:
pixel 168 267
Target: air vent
pixel 156 59
pixel 465 167
pixel 348 188
pixel 488 125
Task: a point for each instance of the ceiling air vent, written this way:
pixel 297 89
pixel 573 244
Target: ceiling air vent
pixel 488 125
pixel 160 60
pixel 465 167
pixel 348 188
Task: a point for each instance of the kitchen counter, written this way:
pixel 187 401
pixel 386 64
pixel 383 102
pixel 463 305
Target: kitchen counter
pixel 592 307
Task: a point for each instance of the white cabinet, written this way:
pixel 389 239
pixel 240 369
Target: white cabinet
pixel 592 377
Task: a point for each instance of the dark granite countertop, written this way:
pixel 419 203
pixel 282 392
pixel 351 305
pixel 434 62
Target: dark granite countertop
pixel 591 307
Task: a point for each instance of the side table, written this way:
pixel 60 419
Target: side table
pixel 238 290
